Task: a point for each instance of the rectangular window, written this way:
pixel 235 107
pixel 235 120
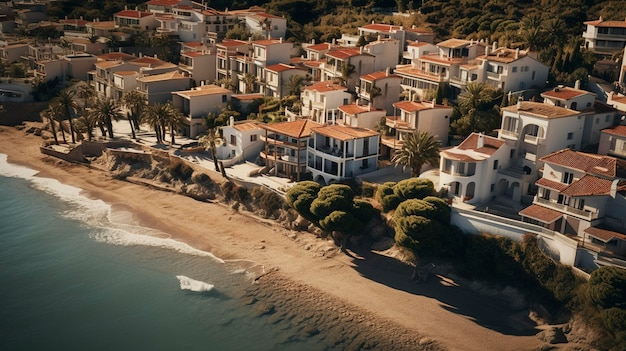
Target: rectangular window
pixel 570 136
pixel 597 120
pixel 546 194
pixel 224 98
pixel 533 75
pixel 607 118
pixel 233 140
pixel 493 187
pixel 253 137
pixel 514 69
pixel 495 164
pixel 579 204
pixel 568 177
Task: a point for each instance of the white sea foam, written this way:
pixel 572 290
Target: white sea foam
pixel 187 283
pixel 97 213
pixel 119 236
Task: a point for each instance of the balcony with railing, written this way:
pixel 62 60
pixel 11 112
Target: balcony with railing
pixel 282 157
pixel 533 139
pixel 508 134
pixel 585 214
pixel 494 75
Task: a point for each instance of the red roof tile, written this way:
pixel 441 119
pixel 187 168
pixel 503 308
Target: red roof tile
pixel 564 93
pixel 133 14
pixel 410 106
pixel 601 23
pixel 589 163
pixel 546 183
pixel 325 86
pixel 344 133
pixel 163 2
pixel 354 109
pixel 490 144
pixel 604 234
pixel 343 53
pixel 319 47
pixel 541 214
pixel 618 131
pixel 589 186
pixel 300 128
pixel 542 110
pixel 279 67
pixel 377 75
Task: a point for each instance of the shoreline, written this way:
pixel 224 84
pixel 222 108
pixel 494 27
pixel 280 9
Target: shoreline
pixel 372 285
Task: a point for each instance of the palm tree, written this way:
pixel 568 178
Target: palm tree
pixel 417 149
pixel 295 84
pixel 208 141
pixel 249 79
pixel 172 119
pixel 55 110
pixel 66 98
pixel 136 102
pixel 471 99
pixel 48 114
pixel 106 111
pixel 347 70
pixel 87 122
pixel 155 115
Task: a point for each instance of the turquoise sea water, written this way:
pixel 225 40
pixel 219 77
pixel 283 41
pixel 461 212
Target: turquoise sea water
pixel 75 275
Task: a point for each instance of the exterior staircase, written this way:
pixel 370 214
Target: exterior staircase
pixel 515 169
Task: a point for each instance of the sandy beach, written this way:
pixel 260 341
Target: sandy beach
pixel 371 292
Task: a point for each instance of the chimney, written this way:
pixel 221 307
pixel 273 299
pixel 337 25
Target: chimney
pixel 494 46
pixel 516 53
pixel 313 41
pixel 360 50
pixel 387 72
pixel 231 121
pixel 434 102
pixel 481 141
pixel 280 40
pixel 125 7
pixel 487 51
pixel 577 84
pixel 519 103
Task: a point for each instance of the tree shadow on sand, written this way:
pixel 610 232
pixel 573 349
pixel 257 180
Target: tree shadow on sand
pixel 486 311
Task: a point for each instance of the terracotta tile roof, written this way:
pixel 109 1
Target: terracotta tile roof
pixel 343 53
pixel 203 90
pixel 126 73
pixel 604 234
pixel 453 43
pixel 148 61
pixel 132 14
pixel 605 166
pixel 546 183
pixel 601 23
pixel 107 64
pixel 313 64
pixel 279 67
pixel 193 43
pixel 162 77
pixel 377 75
pixel 565 93
pixel 589 185
pixel 541 214
pixel 381 27
pixel 504 55
pixel 619 98
pixel 344 133
pixel 115 56
pixel 542 110
pixel 490 144
pixel 618 131
pixel 354 109
pixel 319 47
pixel 193 53
pixel 410 106
pixel 325 87
pixel 268 42
pixel 247 125
pixel 232 42
pixel 458 156
pixel 300 128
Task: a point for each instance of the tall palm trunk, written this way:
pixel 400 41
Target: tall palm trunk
pixel 132 128
pixel 69 118
pixel 54 131
pixel 110 127
pixel 172 133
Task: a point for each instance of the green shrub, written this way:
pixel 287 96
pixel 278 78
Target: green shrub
pixel 386 196
pixel 607 287
pixel 614 319
pixel 442 209
pixel 335 197
pixel 414 188
pixel 368 189
pixel 300 197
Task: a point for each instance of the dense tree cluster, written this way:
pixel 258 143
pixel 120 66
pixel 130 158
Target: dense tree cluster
pixel 391 194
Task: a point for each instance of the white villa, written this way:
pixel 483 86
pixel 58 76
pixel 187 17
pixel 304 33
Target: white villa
pixel 337 152
pixel 241 141
pixel 321 101
pixel 197 103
